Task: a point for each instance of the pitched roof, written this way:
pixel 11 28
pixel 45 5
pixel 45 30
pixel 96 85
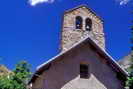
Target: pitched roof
pixel 40 69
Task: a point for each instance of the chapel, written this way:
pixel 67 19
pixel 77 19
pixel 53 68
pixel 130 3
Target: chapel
pixel 83 62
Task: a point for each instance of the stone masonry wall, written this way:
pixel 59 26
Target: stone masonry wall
pixel 70 35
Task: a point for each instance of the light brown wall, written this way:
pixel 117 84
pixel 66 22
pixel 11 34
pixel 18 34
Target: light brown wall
pixel 64 73
pixel 70 35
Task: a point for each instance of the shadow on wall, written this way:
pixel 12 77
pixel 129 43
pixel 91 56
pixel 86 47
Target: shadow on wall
pixel 65 72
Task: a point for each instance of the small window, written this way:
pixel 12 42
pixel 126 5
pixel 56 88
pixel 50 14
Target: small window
pixel 88 24
pixel 79 22
pixel 84 73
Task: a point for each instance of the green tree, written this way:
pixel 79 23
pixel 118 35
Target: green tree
pixel 18 78
pixel 129 82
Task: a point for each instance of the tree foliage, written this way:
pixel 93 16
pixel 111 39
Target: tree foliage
pixel 18 78
pixel 129 82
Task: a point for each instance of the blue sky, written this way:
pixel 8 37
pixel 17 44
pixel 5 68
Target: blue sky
pixel 30 30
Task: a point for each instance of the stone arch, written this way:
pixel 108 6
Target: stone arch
pixel 88 24
pixel 79 22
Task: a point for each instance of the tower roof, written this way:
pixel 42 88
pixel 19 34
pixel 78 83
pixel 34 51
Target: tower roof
pixel 88 8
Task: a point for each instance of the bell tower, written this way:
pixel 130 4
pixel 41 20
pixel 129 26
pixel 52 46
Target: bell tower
pixel 79 23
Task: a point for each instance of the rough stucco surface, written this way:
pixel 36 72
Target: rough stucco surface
pixel 70 35
pixel 64 73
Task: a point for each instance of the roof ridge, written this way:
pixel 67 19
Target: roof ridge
pixel 86 6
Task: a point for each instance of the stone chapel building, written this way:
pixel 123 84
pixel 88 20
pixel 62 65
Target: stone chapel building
pixel 83 62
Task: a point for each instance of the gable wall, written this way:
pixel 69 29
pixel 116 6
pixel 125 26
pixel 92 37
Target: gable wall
pixel 64 73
